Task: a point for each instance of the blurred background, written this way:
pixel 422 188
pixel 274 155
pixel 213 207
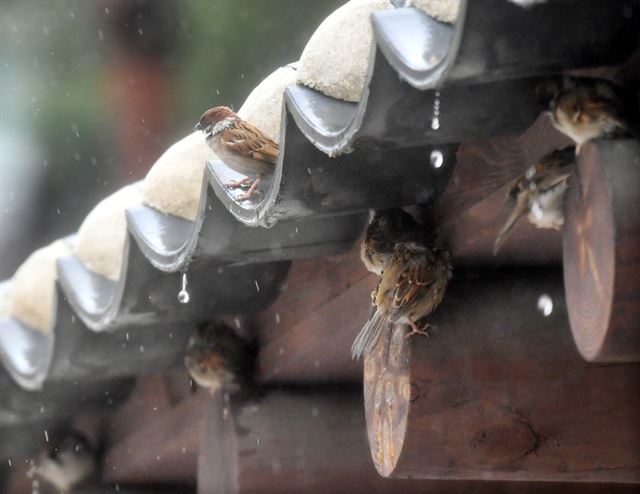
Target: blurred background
pixel 92 93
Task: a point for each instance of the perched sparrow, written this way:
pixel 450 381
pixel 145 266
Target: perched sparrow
pixel 386 228
pixel 240 145
pixel 586 109
pixel 539 193
pixel 410 288
pixel 217 358
pixel 67 462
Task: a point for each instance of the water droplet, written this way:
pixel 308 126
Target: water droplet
pixel 257 286
pixel 9 462
pixel 46 435
pixel 277 318
pixel 435 120
pixel 545 305
pixel 436 158
pixel 183 295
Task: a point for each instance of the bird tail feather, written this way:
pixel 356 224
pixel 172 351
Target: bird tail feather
pixel 518 211
pixel 369 335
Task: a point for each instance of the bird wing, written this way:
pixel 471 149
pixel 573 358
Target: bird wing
pixel 247 140
pixel 521 207
pixel 416 278
pixel 550 180
pixel 555 169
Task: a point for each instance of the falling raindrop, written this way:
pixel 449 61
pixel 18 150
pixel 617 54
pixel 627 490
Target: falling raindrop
pixel 436 158
pixel 545 305
pixel 257 286
pixel 46 435
pixel 435 119
pixel 183 295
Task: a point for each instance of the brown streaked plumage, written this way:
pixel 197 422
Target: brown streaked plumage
pixel 386 228
pixel 217 358
pixel 539 194
pixel 586 109
pixel 410 288
pixel 240 145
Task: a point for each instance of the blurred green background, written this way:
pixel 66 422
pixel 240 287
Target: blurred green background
pixel 92 92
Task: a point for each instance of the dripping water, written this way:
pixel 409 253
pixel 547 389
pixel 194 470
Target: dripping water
pixel 183 295
pixel 436 158
pixel 435 119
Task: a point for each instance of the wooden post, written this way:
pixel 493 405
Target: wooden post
pixel 499 392
pixel 602 252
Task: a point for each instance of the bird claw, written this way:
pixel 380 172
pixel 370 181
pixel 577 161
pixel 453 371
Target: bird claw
pixel 245 183
pixel 253 190
pixel 415 329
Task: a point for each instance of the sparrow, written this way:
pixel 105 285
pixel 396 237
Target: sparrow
pixel 66 462
pixel 586 109
pixel 217 358
pixel 386 228
pixel 539 193
pixel 412 285
pixel 240 145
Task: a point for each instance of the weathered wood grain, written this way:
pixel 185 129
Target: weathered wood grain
pixel 602 252
pixel 499 392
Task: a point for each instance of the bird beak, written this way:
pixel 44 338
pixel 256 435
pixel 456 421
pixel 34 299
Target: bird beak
pixel 199 126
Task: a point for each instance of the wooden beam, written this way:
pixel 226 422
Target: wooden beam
pixel 310 441
pixel 306 335
pixel 602 252
pixel 499 392
pixel 314 441
pixel 164 449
